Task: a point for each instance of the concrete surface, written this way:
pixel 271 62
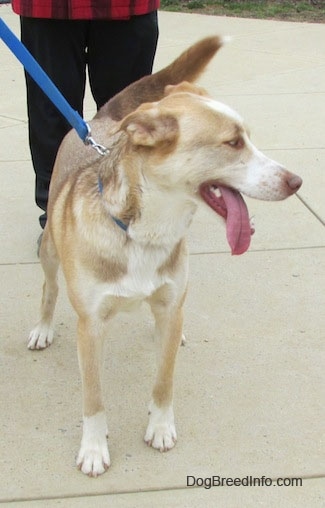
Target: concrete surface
pixel 250 383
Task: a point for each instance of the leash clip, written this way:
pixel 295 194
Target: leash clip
pixel 89 140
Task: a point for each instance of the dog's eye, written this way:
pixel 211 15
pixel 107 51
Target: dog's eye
pixel 236 143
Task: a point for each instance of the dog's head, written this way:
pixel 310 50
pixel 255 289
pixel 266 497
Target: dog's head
pixel 202 147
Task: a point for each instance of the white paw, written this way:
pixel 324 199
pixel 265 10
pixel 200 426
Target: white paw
pixel 41 336
pixel 184 340
pixel 93 458
pixel 161 432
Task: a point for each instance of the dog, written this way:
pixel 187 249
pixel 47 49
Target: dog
pixel 117 223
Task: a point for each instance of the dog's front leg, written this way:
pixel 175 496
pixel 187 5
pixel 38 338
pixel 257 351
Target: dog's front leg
pixel 161 431
pixel 93 458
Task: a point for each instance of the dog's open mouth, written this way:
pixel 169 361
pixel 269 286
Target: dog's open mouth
pixel 230 204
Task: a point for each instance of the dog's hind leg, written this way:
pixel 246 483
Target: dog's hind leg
pixel 42 335
pixel 161 432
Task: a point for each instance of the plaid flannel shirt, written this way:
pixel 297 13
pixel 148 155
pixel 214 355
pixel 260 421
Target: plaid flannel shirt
pixel 83 9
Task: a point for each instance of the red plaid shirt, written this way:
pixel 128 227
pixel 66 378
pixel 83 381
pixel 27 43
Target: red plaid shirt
pixel 83 9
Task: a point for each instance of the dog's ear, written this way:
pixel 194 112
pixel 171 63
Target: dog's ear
pixel 150 127
pixel 185 87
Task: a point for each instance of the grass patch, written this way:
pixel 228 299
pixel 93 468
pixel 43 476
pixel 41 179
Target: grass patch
pixel 307 10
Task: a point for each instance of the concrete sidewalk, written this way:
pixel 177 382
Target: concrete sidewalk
pixel 250 383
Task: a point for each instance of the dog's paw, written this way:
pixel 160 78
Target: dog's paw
pixel 41 336
pixel 183 340
pixel 161 431
pixel 93 458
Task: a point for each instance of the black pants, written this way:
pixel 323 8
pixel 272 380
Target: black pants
pixel 116 54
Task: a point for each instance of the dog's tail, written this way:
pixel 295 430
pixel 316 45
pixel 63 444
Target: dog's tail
pixel 187 67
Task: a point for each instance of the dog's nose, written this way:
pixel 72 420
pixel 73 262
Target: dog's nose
pixel 294 182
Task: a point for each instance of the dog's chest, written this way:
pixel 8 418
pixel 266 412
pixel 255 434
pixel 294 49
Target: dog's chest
pixel 144 275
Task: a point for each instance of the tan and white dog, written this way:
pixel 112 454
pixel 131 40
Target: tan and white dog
pixel 117 223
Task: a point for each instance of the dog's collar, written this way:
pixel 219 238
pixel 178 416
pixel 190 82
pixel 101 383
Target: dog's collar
pixel 117 221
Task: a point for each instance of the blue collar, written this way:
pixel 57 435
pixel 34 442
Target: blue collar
pixel 117 221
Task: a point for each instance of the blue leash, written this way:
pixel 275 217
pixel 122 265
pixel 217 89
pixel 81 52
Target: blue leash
pixel 48 87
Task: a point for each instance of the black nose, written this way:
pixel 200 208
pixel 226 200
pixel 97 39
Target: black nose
pixel 294 182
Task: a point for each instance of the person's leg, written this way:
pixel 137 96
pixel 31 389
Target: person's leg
pixel 119 53
pixel 59 47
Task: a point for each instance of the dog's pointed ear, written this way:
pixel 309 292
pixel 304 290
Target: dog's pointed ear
pixel 150 127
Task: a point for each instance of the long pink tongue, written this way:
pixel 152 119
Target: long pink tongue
pixel 237 221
